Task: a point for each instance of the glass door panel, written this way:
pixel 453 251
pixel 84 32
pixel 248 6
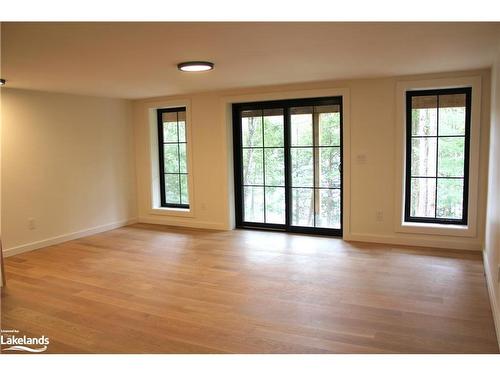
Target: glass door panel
pixel 263 159
pixel 315 153
pixel 303 159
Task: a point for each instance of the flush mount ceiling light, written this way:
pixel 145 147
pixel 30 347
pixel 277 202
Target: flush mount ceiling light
pixel 195 66
pixel 2 81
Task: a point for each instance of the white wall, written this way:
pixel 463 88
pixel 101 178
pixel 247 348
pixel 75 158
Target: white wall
pixel 492 240
pixel 372 132
pixel 68 163
pixel 1 279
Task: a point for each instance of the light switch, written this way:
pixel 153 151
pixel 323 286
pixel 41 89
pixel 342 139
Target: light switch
pixel 361 158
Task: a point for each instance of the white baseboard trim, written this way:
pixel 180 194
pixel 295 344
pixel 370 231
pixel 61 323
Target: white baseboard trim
pixel 187 223
pixel 415 241
pixel 493 300
pixel 66 237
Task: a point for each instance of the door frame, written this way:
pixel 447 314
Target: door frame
pixel 286 104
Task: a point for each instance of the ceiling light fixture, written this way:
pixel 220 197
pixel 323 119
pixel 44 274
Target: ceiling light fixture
pixel 195 66
pixel 2 81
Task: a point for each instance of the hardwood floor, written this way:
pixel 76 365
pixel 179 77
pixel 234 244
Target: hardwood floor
pixel 154 289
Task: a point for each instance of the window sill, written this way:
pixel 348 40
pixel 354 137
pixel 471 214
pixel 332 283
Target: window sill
pixel 168 211
pixel 436 229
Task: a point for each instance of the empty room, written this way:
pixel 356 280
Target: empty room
pixel 250 187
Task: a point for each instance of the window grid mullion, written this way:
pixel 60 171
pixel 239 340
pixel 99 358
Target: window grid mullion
pixel 315 146
pixel 435 136
pixel 263 164
pixel 437 157
pixel 311 146
pixel 314 130
pixel 296 187
pixel 440 177
pixel 179 159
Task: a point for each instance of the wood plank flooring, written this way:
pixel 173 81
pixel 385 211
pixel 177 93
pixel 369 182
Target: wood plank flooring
pixel 155 289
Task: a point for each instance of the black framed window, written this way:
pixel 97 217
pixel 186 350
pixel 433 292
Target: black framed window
pixel 437 155
pixel 172 142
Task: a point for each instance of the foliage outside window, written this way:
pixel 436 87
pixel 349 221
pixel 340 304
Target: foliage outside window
pixel 173 157
pixel 438 132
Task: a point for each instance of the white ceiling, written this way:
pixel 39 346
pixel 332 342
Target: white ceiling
pixel 136 60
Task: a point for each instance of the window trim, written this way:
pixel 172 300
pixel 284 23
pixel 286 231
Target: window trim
pixel 465 198
pixel 161 157
pixel 402 226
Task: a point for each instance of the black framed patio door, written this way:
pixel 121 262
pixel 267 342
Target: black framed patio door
pixel 288 165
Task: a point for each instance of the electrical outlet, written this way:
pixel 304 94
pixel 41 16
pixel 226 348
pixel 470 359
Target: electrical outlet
pixel 31 223
pixel 379 215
